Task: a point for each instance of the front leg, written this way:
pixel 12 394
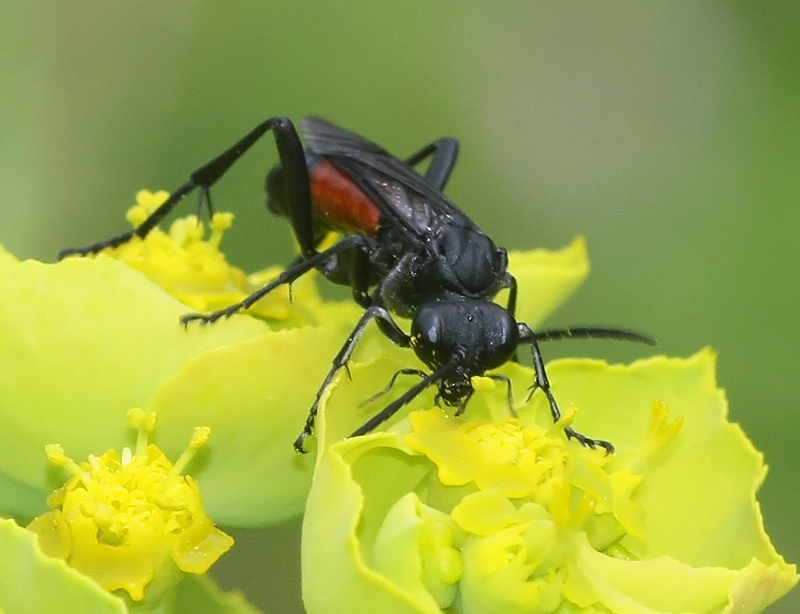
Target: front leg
pixel 392 331
pixel 542 382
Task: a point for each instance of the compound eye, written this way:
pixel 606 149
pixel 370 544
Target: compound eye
pixel 427 327
pixel 427 331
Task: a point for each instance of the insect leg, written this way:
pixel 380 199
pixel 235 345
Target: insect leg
pixel 509 392
pixel 141 231
pixel 445 155
pixel 392 382
pixel 396 336
pixel 511 283
pixel 288 276
pixel 541 381
pixel 391 409
pixel 359 279
pixel 298 192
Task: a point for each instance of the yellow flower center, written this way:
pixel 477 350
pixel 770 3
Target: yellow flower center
pixel 125 519
pixel 524 494
pixel 190 266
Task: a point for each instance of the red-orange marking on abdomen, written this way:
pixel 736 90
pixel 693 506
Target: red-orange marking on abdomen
pixel 341 201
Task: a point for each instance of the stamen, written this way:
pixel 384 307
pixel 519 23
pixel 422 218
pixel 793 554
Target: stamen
pixel 200 438
pixel 57 458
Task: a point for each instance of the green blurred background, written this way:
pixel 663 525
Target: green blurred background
pixel 668 135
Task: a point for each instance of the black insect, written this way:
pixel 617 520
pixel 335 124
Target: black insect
pixel 408 251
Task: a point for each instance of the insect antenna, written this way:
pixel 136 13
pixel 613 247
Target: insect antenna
pixel 390 385
pixel 591 332
pixel 429 380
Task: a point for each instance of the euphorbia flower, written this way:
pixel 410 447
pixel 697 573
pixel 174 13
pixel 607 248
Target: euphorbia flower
pixel 493 512
pixel 124 532
pixel 128 518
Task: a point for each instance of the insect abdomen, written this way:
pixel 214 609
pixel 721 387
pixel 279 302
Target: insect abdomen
pixel 341 202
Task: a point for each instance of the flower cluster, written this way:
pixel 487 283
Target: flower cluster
pixel 123 517
pixel 190 266
pixel 492 511
pixel 487 514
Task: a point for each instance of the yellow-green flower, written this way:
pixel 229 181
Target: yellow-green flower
pixel 128 518
pixel 127 533
pixel 499 513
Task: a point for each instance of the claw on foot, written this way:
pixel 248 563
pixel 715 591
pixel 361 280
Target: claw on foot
pixel 300 443
pixel 197 317
pixel 588 441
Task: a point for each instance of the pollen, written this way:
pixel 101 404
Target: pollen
pixel 128 518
